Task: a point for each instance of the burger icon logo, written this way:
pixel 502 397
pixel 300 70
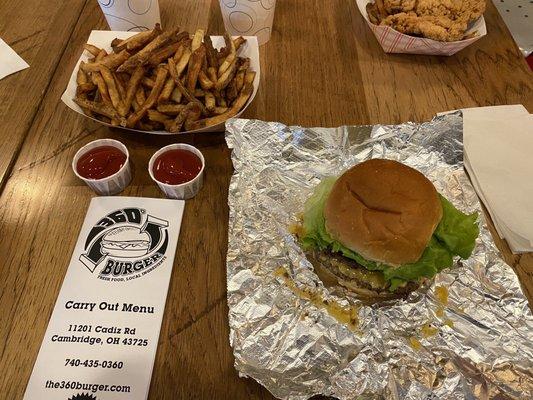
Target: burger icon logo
pixel 125 244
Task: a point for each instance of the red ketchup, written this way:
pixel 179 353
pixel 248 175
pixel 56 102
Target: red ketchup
pixel 100 162
pixel 176 166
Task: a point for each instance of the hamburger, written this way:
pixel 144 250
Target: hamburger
pixel 126 242
pixel 381 230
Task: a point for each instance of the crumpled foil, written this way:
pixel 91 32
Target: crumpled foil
pixel 297 350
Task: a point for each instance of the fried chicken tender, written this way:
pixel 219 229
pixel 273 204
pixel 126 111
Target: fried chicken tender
pixel 442 20
pixel 437 28
pixel 456 10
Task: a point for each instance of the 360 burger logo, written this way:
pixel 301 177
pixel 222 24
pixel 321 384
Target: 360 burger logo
pixel 125 244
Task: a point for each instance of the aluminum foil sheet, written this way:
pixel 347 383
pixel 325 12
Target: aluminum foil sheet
pixel 481 342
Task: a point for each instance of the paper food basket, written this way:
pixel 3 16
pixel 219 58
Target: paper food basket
pixel 393 41
pixel 102 39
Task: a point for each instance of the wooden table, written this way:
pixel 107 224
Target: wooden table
pixel 322 67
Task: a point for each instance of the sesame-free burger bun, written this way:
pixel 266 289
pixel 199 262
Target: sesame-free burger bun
pixel 126 242
pixel 383 210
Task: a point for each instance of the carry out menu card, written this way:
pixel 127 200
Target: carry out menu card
pixel 101 340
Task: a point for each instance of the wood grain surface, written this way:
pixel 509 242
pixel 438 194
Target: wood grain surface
pixel 322 67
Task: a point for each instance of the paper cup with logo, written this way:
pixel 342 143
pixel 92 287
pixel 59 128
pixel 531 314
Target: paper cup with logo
pixel 249 18
pixel 131 15
pixel 392 41
pixel 113 184
pixel 183 191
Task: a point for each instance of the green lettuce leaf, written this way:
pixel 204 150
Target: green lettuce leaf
pixel 454 236
pixel 458 231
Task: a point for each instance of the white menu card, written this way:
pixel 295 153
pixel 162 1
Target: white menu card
pixel 101 340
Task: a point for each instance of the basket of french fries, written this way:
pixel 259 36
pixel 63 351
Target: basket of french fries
pixel 432 27
pixel 164 82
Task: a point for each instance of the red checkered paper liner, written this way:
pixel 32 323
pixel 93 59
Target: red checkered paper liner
pixel 393 41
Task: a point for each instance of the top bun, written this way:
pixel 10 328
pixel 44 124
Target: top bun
pixel 383 210
pixel 126 234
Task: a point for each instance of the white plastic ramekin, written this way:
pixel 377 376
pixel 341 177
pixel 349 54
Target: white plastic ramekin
pixel 113 184
pixel 183 191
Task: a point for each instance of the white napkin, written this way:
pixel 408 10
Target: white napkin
pixel 498 149
pixel 11 61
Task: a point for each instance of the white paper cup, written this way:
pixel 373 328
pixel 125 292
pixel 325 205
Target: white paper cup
pixel 113 184
pixel 131 15
pixel 249 18
pixel 183 191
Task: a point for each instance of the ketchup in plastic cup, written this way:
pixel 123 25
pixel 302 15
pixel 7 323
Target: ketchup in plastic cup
pixel 103 165
pixel 100 162
pixel 178 170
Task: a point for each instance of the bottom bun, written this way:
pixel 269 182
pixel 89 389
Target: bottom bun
pixel 336 270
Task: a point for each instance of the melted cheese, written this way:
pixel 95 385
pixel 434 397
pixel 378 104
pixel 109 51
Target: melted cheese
pixel 415 343
pixel 374 279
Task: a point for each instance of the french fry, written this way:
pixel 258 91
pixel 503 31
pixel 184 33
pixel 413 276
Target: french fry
pixel 84 88
pixel 239 103
pixel 140 97
pixel 212 74
pixel 120 86
pixel 205 82
pixel 197 39
pixel 249 78
pixel 147 125
pixel 156 116
pixel 223 53
pixel 184 61
pixel 114 45
pixel 163 53
pixel 176 95
pixel 91 49
pixel 195 65
pixel 100 108
pixel 149 83
pixel 192 116
pixel 177 55
pixel 238 42
pixel 135 105
pixel 161 76
pixel 178 122
pixel 111 87
pixel 239 77
pixel 220 100
pixel 171 109
pixel 138 40
pixel 168 125
pixel 142 56
pixel 167 91
pixel 227 76
pixel 199 93
pixel 231 90
pixel 210 53
pixel 220 110
pixel 110 61
pixel 189 96
pixel 169 84
pixel 231 56
pixel 97 79
pixel 101 55
pixel 81 76
pixel 131 90
pixel 209 100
